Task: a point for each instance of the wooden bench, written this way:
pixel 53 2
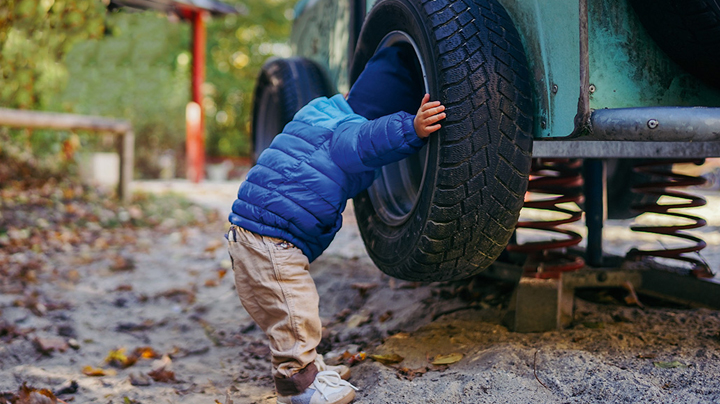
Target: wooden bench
pixel 50 120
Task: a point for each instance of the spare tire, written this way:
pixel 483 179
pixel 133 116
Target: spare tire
pixel 448 212
pixel 688 31
pixel 282 88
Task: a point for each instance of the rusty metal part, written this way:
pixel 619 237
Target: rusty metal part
pixel 560 179
pixel 663 188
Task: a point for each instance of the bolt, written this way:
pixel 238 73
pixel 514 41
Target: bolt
pixel 554 88
pixel 543 123
pixel 602 277
pixel 592 88
pixel 653 123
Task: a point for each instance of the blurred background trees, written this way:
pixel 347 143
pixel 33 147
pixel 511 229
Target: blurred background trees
pixel 75 56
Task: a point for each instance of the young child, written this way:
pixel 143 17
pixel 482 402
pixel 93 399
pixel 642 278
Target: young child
pixel 290 207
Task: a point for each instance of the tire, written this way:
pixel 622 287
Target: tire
pixel 688 31
pixel 447 212
pixel 621 178
pixel 283 87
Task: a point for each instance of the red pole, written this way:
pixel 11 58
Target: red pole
pixel 195 130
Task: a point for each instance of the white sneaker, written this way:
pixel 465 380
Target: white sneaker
pixel 342 370
pixel 328 388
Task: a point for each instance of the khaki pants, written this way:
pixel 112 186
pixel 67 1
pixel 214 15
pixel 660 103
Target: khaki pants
pixel 275 287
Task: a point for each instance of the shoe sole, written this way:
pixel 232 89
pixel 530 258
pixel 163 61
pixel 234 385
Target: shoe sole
pixel 347 399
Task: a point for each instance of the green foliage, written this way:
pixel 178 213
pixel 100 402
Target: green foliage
pixel 69 55
pixel 139 72
pixel 35 35
pixel 238 45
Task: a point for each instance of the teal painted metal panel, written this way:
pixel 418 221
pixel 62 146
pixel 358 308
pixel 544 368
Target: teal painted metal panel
pixel 627 68
pixel 550 33
pixel 320 33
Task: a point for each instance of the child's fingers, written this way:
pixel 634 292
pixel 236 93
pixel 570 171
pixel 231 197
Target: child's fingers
pixel 426 98
pixel 434 111
pixel 431 129
pixel 434 118
pixel 427 105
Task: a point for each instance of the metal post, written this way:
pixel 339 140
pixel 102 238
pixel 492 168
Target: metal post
pixel 196 164
pixel 594 188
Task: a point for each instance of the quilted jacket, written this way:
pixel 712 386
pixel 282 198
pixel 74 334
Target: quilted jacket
pixel 300 185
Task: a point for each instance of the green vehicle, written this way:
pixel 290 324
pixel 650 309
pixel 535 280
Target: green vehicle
pixel 614 81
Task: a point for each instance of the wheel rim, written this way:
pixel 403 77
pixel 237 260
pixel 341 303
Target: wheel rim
pixel 395 192
pixel 268 122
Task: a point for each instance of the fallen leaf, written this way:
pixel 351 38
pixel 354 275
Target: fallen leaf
pixel 120 263
pixel 646 356
pixel 357 358
pixel 97 372
pixel 410 374
pixel 146 352
pixel 594 325
pixel 118 359
pixel 385 316
pixel 447 359
pixel 356 320
pixel 669 365
pixel 387 359
pixel 163 376
pixel 31 395
pixel 211 283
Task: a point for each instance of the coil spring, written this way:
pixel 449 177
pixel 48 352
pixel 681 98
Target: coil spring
pixel 560 179
pixel 661 188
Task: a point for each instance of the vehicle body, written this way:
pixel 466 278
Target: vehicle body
pixel 600 86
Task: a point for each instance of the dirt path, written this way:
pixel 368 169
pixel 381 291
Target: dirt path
pixel 165 289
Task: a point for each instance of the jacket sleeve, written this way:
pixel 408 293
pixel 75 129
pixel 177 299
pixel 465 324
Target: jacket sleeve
pixel 358 147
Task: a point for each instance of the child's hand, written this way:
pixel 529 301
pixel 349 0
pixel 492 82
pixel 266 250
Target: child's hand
pixel 427 117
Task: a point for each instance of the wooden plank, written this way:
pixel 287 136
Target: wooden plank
pixel 53 120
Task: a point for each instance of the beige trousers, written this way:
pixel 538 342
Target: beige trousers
pixel 275 287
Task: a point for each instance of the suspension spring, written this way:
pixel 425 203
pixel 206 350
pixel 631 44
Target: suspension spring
pixel 661 188
pixel 561 181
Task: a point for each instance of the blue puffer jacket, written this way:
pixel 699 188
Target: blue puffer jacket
pixel 300 185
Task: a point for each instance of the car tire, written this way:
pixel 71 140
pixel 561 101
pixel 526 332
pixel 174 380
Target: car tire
pixel 448 212
pixel 687 31
pixel 283 87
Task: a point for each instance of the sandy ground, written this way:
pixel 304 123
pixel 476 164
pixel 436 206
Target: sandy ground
pixel 175 300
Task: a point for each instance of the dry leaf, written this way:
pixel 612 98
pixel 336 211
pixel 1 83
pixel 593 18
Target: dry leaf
pixel 96 372
pixel 387 359
pixel 385 316
pixel 31 395
pixel 163 376
pixel 447 359
pixel 409 374
pixel 669 365
pixel 146 352
pixel 118 359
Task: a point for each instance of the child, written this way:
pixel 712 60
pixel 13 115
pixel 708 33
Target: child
pixel 290 207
